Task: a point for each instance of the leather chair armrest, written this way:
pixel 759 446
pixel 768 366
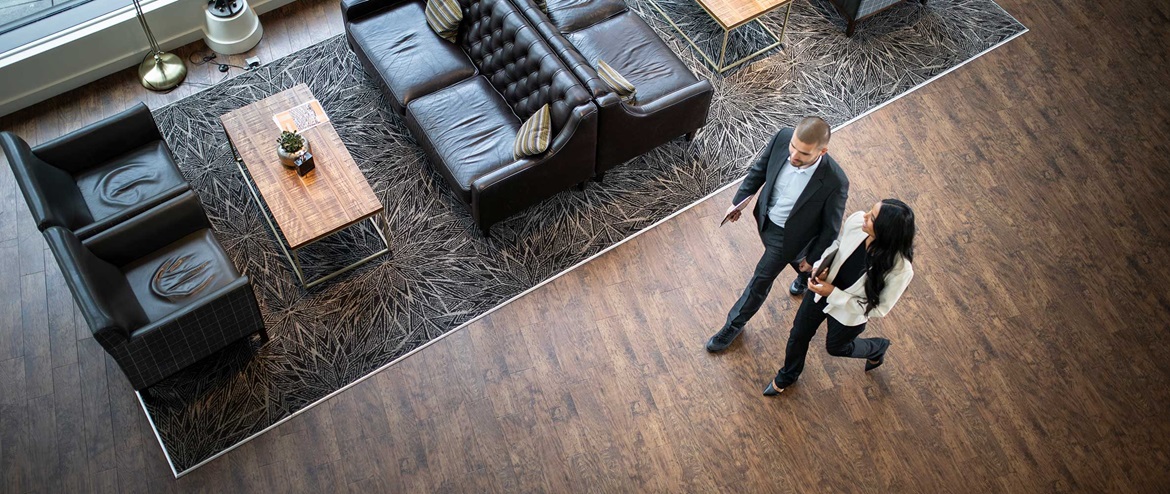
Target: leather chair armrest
pixel 140 235
pixel 50 192
pixel 98 287
pixel 101 141
pixel 570 160
pixel 353 10
pixel 683 97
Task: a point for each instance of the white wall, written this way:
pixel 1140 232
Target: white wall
pixel 90 52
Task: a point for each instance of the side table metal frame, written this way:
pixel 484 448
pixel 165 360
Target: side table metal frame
pixel 718 66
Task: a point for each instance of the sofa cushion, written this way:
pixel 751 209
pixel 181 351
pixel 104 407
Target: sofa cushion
pixel 130 180
pixel 409 57
pixel 443 17
pixel 627 44
pixel 620 85
pixel 467 129
pixel 572 15
pixel 534 136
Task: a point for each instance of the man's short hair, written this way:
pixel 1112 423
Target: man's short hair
pixel 813 130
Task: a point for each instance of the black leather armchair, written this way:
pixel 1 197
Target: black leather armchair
pixel 158 291
pixel 98 176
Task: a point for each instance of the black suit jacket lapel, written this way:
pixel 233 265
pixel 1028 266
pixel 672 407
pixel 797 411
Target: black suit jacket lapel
pixel 776 163
pixel 814 184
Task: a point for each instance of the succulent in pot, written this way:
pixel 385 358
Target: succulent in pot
pixel 290 147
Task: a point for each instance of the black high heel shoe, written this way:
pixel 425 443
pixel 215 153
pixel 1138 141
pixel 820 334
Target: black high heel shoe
pixel 771 390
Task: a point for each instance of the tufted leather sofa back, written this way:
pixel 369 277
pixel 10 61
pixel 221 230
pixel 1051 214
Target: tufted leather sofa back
pixel 518 62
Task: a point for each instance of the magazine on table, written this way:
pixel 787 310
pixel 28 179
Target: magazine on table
pixel 301 117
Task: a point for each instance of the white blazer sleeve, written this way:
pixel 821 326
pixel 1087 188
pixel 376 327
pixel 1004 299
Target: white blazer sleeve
pixel 896 284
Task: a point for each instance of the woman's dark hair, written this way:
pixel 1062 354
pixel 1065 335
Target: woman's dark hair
pixel 893 236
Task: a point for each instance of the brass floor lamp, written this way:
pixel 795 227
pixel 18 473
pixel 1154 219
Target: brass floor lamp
pixel 161 70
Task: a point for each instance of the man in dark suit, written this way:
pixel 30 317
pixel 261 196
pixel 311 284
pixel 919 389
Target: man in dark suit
pixel 798 214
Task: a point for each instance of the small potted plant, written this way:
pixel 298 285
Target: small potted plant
pixel 291 146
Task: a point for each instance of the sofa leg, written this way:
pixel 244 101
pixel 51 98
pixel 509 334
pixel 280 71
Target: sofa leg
pixel 486 231
pixel 600 177
pixel 691 135
pixel 849 29
pixel 581 186
pixel 263 335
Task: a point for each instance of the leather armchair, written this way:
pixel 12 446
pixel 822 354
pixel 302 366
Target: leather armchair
pixel 855 10
pixel 158 291
pixel 98 176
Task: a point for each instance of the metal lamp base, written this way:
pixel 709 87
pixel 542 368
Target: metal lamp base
pixel 161 72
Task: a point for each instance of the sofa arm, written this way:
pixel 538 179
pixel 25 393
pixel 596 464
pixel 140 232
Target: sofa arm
pixel 99 288
pixel 685 97
pixel 570 160
pixel 182 338
pixel 140 235
pixel 353 10
pixel 50 192
pixel 101 141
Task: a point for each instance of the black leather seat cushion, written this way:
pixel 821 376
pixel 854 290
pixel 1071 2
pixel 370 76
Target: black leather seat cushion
pixel 411 59
pixel 191 252
pixel 127 181
pixel 572 15
pixel 628 45
pixel 468 128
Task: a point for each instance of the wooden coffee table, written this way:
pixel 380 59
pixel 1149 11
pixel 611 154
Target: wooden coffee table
pixel 332 197
pixel 732 14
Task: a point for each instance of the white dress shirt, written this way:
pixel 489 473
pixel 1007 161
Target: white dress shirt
pixel 789 184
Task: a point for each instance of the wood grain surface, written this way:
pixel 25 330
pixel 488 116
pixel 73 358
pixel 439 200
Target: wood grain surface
pixel 331 197
pixel 731 14
pixel 1029 353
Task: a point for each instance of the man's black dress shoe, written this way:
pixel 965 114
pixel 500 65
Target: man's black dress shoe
pixel 798 286
pixel 771 389
pixel 723 339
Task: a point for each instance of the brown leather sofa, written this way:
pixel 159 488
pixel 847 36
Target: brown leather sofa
pixel 464 102
pixel 670 102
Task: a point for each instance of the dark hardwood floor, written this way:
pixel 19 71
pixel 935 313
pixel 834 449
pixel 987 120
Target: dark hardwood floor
pixel 1030 353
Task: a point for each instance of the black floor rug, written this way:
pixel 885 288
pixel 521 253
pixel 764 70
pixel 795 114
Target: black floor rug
pixel 440 272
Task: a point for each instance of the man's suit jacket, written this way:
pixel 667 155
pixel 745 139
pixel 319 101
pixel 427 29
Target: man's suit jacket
pixel 815 219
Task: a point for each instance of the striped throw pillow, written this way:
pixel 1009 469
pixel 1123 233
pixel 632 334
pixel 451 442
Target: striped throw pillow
pixel 620 85
pixel 443 17
pixel 534 135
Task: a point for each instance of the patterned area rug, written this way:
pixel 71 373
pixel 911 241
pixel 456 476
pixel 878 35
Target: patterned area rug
pixel 440 272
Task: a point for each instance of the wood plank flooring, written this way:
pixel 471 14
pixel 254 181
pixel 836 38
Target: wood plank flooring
pixel 1029 353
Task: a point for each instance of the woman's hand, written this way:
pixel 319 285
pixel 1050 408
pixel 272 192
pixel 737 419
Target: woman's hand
pixel 820 287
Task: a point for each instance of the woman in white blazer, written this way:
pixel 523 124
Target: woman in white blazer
pixel 868 270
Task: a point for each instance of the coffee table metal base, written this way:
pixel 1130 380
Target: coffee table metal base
pixel 291 254
pixel 718 65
